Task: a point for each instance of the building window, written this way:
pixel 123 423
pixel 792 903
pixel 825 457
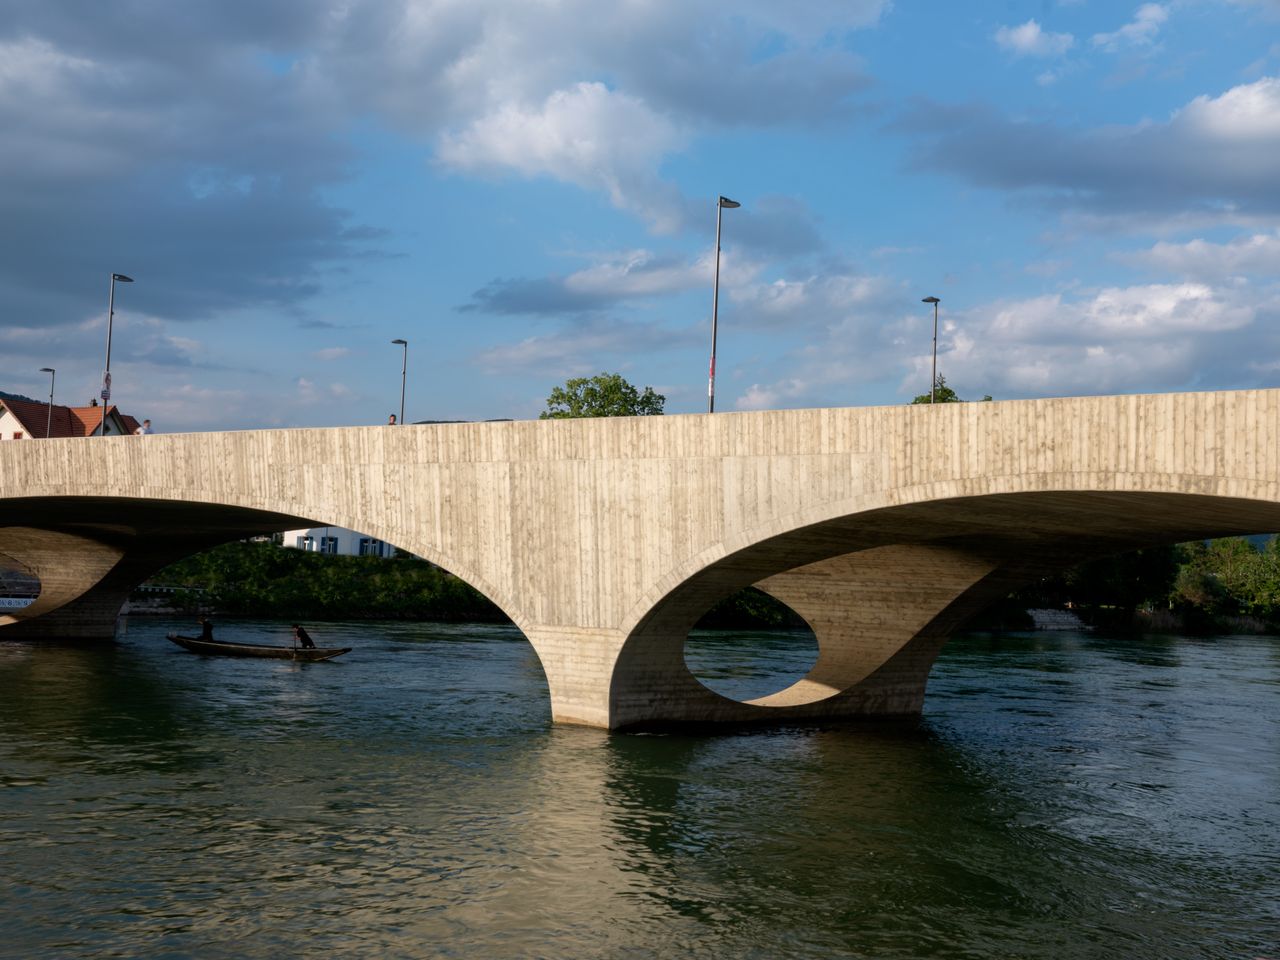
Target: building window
pixel 369 547
pixel 17 435
pixel 306 543
pixel 329 545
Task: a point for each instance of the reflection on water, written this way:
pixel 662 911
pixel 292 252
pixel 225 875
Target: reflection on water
pixel 1064 796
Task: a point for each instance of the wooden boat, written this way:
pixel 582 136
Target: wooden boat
pixel 222 648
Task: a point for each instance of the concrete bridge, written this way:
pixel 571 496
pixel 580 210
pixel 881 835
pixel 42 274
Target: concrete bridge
pixel 606 540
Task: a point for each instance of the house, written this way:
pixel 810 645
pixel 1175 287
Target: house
pixel 338 541
pixel 29 419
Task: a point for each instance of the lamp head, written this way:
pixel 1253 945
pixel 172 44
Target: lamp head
pixel 930 300
pixel 47 370
pixel 403 343
pixel 728 204
pixel 122 278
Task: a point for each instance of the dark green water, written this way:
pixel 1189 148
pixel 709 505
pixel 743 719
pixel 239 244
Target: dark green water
pixel 1064 796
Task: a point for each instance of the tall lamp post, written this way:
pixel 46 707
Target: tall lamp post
pixel 724 203
pixel 48 426
pixel 106 375
pixel 933 376
pixel 404 366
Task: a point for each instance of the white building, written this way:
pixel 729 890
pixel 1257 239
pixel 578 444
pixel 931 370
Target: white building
pixel 338 541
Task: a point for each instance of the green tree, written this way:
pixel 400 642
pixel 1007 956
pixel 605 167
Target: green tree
pixel 1229 577
pixel 1124 581
pixel 943 394
pixel 604 395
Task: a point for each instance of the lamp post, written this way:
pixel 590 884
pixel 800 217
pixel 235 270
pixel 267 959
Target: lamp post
pixel 106 375
pixel 404 366
pixel 722 204
pixel 48 426
pixel 933 376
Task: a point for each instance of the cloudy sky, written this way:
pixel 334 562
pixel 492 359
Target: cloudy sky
pixel 525 190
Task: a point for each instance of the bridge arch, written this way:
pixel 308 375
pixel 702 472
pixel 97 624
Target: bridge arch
pixel 884 584
pixel 90 553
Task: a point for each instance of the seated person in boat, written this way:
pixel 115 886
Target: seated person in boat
pixel 206 629
pixel 304 639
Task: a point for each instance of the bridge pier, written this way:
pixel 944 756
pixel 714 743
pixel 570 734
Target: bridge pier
pixel 880 617
pixel 68 566
pixel 84 585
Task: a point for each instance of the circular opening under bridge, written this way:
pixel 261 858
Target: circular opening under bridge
pixel 750 646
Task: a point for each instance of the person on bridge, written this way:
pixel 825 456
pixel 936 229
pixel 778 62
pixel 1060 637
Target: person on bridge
pixel 391 420
pixel 143 430
pixel 304 639
pixel 206 629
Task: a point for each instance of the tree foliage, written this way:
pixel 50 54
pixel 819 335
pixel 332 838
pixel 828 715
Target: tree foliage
pixel 1229 578
pixel 262 579
pixel 604 395
pixel 265 580
pixel 942 393
pixel 1206 585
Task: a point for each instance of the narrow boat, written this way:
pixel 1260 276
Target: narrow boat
pixel 221 648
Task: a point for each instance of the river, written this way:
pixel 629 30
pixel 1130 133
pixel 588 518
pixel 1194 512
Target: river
pixel 1063 796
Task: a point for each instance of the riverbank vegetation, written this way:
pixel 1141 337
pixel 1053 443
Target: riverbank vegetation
pixel 262 579
pixel 1229 585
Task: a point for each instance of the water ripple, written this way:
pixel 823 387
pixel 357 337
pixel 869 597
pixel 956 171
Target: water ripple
pixel 1064 796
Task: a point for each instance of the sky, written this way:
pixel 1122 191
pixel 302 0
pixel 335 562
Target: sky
pixel 525 190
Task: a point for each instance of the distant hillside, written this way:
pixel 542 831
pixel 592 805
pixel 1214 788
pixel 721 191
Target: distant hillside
pixel 17 396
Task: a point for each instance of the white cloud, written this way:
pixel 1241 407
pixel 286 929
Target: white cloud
pixel 1247 114
pixel 824 299
pixel 1212 161
pixel 231 119
pixel 32 67
pixel 445 62
pixel 639 273
pixel 1255 254
pixel 586 135
pixel 1121 339
pixel 1139 312
pixel 310 392
pixel 582 349
pixel 1029 40
pixel 1139 32
pixel 771 396
pixel 331 353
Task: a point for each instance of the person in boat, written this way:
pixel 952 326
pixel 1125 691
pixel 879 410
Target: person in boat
pixel 206 629
pixel 304 639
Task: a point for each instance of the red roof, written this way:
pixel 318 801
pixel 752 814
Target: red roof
pixel 67 421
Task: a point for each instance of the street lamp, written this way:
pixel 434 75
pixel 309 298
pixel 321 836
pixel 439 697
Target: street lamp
pixel 48 426
pixel 722 204
pixel 933 377
pixel 106 375
pixel 404 366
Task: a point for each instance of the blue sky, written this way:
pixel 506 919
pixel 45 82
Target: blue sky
pixel 526 192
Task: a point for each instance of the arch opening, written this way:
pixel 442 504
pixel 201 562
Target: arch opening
pixel 263 577
pixel 19 588
pixel 750 646
pixel 415 600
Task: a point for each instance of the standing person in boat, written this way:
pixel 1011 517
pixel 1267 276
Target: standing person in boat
pixel 304 639
pixel 206 629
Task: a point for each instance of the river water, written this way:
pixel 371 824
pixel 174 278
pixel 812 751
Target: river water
pixel 1063 796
